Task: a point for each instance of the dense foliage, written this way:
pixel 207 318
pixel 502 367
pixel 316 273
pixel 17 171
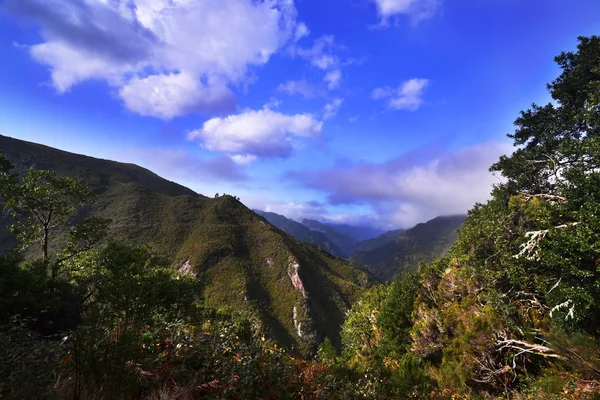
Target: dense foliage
pixel 398 251
pixel 513 310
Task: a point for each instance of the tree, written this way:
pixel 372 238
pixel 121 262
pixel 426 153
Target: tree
pixel 7 180
pixel 553 185
pixel 42 204
pixel 395 315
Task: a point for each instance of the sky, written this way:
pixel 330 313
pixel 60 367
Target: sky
pixel 379 112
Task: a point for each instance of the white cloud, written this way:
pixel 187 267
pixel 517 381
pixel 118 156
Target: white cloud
pixel 321 55
pixel 333 79
pixel 416 10
pixel 262 133
pixel 291 209
pixel 243 159
pixel 142 43
pixel 301 87
pixel 414 188
pixel 332 108
pixel 408 96
pixel 301 31
pixel 166 96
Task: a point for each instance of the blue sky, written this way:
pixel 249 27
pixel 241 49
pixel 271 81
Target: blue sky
pixel 387 112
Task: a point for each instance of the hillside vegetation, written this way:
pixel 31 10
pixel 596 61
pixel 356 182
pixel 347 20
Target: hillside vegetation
pixel 399 251
pixel 301 232
pixel 241 260
pixel 342 241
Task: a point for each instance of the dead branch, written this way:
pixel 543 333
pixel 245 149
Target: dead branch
pixel 527 348
pixel 551 197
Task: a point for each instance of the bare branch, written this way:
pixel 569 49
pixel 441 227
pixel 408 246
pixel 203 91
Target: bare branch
pixel 551 197
pixel 530 348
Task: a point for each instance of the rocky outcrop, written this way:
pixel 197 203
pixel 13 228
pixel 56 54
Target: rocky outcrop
pixel 296 281
pixel 186 268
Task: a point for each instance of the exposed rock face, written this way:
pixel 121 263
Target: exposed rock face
pixel 186 268
pixel 296 281
pixel 304 325
pixel 297 324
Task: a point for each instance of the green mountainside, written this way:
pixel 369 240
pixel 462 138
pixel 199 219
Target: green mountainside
pixel 299 293
pixel 342 241
pixel 383 256
pixel 300 232
pixel 397 251
pixel 372 244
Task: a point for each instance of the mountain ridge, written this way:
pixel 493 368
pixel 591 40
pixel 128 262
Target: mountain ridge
pixel 391 253
pixel 298 293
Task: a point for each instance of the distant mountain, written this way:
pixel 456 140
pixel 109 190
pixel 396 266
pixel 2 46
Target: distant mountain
pixel 301 232
pixel 372 244
pixel 342 241
pixel 298 293
pixel 398 251
pixel 358 232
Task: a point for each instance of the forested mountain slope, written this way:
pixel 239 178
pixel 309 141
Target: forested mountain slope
pixel 404 250
pixel 299 294
pixel 301 232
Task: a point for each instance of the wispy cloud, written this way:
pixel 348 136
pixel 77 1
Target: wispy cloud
pixel 333 79
pixel 332 108
pixel 322 55
pixel 182 164
pixel 407 96
pixel 416 10
pixel 300 87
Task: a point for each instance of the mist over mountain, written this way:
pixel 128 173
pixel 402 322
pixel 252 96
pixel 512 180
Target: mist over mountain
pixel 357 232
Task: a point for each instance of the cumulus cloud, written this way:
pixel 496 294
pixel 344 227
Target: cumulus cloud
pixel 416 10
pixel 264 133
pixel 166 96
pixel 416 187
pixel 408 96
pixel 332 108
pixel 300 87
pixel 195 47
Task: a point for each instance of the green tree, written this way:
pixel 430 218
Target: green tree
pixel 7 180
pixel 43 204
pixel 553 189
pixel 395 315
